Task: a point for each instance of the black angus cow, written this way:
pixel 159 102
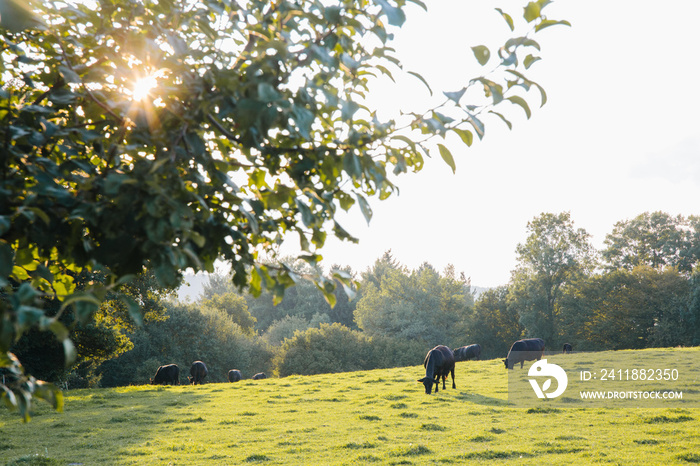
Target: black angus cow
pixel 439 362
pixel 524 350
pixel 198 371
pixel 234 375
pixel 567 348
pixel 465 353
pixel 167 375
pixel 259 376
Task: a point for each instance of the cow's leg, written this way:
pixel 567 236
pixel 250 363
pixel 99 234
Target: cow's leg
pixel 522 363
pixel 453 377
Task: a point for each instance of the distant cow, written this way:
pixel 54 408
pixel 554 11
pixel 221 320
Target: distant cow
pixel 234 375
pixel 439 362
pixel 567 348
pixel 524 350
pixel 465 353
pixel 167 375
pixel 259 376
pixel 198 371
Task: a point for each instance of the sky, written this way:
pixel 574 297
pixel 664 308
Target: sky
pixel 619 135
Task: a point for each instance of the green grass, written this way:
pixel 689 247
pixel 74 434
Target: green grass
pixel 374 417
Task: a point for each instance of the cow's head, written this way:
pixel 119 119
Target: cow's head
pixel 151 381
pixel 506 363
pixel 428 382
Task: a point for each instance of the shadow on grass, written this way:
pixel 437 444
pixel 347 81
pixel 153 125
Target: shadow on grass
pixel 484 400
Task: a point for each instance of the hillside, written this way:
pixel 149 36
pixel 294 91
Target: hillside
pixel 373 417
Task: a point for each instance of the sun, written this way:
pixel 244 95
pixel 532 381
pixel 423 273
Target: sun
pixel 142 87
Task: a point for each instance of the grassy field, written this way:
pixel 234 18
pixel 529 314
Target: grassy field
pixel 373 417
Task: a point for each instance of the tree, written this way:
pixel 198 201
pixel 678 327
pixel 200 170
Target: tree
pixel 494 324
pixel 554 254
pixel 422 305
pixel 235 306
pixel 625 309
pixel 167 134
pixel 654 239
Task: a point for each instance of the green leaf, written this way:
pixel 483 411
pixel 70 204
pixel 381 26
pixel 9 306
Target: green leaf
pixel 447 157
pixel 69 352
pixel 455 96
pixel 482 54
pixel 306 216
pixel 529 60
pixel 508 19
pixel 268 93
pixel 365 208
pixel 26 293
pixel 58 329
pixel 395 15
pixel 50 393
pixel 466 135
pixel 134 309
pixel 422 80
pixel 550 22
pixel 522 103
pixel 505 120
pixel 477 124
pixel 69 75
pixel 532 11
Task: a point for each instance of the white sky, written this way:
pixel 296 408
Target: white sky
pixel 620 134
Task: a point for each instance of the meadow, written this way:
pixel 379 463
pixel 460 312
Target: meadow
pixel 371 417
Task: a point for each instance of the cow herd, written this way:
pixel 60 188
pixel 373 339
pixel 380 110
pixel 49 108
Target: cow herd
pixel 440 361
pixel 170 374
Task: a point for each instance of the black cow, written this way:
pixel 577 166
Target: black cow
pixel 439 362
pixel 524 350
pixel 465 353
pixel 567 348
pixel 198 371
pixel 234 375
pixel 259 376
pixel 167 375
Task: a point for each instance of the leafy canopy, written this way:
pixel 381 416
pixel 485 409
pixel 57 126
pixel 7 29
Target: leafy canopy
pixel 164 134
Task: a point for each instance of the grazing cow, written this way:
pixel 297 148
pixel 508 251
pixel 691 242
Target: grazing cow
pixel 259 376
pixel 234 375
pixel 439 362
pixel 198 371
pixel 567 348
pixel 465 353
pixel 167 375
pixel 524 350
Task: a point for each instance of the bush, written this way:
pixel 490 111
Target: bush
pixel 336 348
pixel 188 335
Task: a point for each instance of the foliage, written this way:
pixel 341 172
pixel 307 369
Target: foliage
pixel 305 300
pixel 336 348
pixel 103 338
pixel 422 305
pixel 235 306
pixel 554 254
pixel 286 327
pixel 187 335
pixel 258 129
pixel 494 324
pixel 654 239
pixel 640 308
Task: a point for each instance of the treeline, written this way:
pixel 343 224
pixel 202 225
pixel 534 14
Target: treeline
pixel 642 290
